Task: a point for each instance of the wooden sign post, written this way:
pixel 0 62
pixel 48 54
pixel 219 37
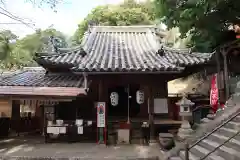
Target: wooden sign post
pixel 101 123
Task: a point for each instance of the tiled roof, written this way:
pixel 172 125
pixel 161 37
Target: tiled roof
pixel 183 57
pixel 38 78
pixel 122 49
pixel 67 60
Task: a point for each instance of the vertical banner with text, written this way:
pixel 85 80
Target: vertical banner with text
pixel 101 121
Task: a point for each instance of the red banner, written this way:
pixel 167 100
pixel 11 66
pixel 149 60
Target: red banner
pixel 214 93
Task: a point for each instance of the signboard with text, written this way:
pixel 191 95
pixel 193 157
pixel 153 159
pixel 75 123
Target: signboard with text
pixel 101 114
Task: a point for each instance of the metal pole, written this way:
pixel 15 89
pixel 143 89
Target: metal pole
pixel 186 151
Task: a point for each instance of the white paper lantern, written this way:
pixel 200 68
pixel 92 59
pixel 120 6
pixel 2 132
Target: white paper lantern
pixel 140 97
pixel 114 98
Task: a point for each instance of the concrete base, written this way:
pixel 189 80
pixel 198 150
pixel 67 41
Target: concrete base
pixel 123 136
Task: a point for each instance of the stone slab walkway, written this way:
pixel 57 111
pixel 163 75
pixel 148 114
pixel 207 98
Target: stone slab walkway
pixel 36 149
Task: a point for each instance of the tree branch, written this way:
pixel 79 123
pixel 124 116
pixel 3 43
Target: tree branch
pixel 9 15
pixel 14 15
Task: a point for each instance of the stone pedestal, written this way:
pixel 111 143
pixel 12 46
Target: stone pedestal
pixel 123 136
pixel 166 141
pixel 153 142
pixel 185 130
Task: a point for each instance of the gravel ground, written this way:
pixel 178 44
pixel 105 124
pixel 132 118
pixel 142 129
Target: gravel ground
pixel 36 149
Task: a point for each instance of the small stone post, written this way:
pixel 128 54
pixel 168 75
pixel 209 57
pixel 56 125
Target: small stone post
pixel 185 112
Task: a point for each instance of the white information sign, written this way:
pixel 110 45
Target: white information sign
pixel 50 129
pixel 101 114
pixel 53 130
pixel 62 130
pixel 160 105
pixel 80 130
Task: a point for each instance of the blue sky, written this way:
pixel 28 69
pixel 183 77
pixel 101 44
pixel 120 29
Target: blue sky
pixel 68 15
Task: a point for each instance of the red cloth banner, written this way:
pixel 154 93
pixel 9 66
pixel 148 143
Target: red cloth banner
pixel 214 93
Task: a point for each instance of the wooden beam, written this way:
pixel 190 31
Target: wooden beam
pixel 41 91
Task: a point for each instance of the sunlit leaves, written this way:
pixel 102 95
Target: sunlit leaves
pixel 207 20
pixel 127 13
pixel 17 53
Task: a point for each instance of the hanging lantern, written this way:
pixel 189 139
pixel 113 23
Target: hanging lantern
pixel 114 98
pixel 140 97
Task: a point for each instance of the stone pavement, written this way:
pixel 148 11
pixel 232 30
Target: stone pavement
pixel 36 149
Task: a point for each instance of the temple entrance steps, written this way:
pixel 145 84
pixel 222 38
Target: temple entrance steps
pixel 218 139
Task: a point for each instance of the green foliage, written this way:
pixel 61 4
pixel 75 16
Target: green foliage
pixel 206 20
pixel 38 41
pixel 7 38
pixel 17 53
pixel 173 39
pixel 127 13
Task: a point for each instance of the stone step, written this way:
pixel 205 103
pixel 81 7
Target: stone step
pixel 233 125
pixel 198 152
pixel 191 156
pixel 211 116
pixel 175 158
pixel 237 119
pixel 225 152
pixel 201 152
pixel 205 120
pixel 233 143
pixel 226 131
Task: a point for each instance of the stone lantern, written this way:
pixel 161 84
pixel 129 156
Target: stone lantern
pixel 185 112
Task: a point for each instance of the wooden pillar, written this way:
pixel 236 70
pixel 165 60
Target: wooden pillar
pixel 101 98
pixel 226 76
pixel 16 115
pixel 100 90
pixel 218 76
pixel 151 114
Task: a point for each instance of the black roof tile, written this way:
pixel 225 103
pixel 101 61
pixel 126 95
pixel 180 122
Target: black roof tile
pixel 123 49
pixel 184 58
pixel 68 59
pixel 39 78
